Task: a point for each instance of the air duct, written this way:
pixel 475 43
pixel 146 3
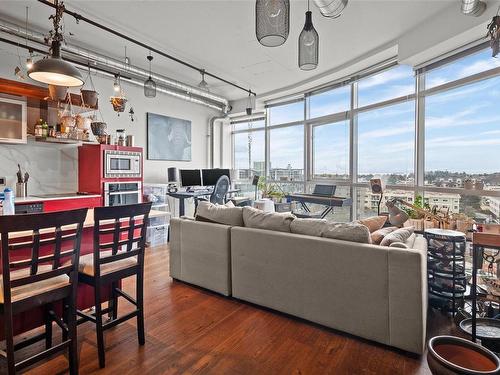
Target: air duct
pixel 331 8
pixel 473 7
pixel 166 85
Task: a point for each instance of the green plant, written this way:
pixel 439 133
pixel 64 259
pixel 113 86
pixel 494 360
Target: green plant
pixel 419 203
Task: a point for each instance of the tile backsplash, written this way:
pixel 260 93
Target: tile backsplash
pixel 52 168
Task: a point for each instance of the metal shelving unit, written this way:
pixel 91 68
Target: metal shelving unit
pixel 447 281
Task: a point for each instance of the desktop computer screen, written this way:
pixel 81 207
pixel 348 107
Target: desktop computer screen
pixel 190 177
pixel 211 176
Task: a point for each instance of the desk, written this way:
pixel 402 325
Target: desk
pixel 328 201
pixel 183 195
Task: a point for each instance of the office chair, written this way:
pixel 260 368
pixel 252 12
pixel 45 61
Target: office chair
pixel 220 190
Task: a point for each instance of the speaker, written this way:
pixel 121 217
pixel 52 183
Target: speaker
pixel 255 180
pixel 376 186
pixel 172 174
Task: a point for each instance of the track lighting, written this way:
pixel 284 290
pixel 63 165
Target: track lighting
pixel 203 84
pixel 116 84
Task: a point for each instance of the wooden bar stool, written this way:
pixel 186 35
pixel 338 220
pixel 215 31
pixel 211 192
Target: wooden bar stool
pixel 119 243
pixel 39 273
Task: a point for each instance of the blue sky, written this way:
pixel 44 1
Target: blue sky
pixel 462 125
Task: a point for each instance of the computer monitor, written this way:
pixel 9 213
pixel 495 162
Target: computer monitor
pixel 190 177
pixel 211 176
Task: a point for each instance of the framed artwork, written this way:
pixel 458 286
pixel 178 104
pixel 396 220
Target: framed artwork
pixel 169 138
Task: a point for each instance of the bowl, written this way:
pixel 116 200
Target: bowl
pixel 450 355
pixel 98 128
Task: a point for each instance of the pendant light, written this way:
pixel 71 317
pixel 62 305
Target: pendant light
pixel 149 84
pixel 272 22
pixel 116 84
pixel 308 44
pixel 203 84
pixel 53 70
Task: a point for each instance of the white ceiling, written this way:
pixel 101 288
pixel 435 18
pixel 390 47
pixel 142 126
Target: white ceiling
pixel 220 35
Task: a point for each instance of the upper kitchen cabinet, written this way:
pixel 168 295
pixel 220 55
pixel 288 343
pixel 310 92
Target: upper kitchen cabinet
pixel 13 119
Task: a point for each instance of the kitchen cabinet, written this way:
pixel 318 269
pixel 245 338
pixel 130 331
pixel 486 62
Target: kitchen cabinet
pixel 13 120
pixel 71 204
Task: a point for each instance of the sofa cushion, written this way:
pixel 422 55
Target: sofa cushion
pixel 353 232
pixel 379 235
pixel 254 218
pixel 399 235
pixel 401 245
pixel 373 223
pixel 226 214
pixel 309 227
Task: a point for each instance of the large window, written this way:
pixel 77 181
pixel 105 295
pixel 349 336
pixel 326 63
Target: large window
pixel 447 155
pixel 331 150
pixel 388 84
pixel 249 155
pixel 286 153
pixel 329 102
pixel 386 138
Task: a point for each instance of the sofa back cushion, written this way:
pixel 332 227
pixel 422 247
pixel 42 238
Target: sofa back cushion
pixel 309 227
pixel 353 232
pixel 226 214
pixel 254 218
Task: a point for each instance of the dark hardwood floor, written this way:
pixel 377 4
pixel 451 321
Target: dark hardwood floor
pixel 190 330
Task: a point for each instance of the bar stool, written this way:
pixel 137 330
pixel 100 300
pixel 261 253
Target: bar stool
pixel 39 273
pixel 119 243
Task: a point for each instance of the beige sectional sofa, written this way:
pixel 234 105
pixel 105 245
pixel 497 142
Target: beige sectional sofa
pixel 375 292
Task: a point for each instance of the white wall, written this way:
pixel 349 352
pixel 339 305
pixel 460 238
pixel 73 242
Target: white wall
pixel 55 169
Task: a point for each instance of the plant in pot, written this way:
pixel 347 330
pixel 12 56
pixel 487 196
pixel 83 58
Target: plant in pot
pixel 416 219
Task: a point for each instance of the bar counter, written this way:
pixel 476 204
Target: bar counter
pixel 34 318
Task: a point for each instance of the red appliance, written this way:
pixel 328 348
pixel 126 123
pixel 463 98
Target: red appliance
pixel 100 165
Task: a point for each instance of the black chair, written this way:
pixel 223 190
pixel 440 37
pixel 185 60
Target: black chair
pixel 38 273
pixel 119 244
pixel 221 188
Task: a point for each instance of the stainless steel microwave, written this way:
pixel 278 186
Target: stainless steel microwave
pixel 122 164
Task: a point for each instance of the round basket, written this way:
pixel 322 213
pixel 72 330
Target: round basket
pixel 118 103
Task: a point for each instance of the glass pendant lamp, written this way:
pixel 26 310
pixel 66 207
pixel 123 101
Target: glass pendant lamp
pixel 272 22
pixel 149 84
pixel 308 44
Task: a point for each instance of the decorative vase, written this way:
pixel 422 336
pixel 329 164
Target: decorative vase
pixel 450 355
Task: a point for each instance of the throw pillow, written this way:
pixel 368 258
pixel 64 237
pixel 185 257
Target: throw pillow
pixel 222 214
pixel 254 218
pixel 399 235
pixel 379 235
pixel 373 223
pixel 353 232
pixel 399 244
pixel 309 227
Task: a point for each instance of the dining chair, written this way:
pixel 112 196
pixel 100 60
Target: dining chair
pixel 40 269
pixel 119 244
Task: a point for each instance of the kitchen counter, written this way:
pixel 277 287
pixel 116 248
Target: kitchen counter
pixel 89 222
pixel 51 197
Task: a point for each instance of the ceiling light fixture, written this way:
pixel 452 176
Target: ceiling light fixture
pixel 54 70
pixel 331 8
pixel 29 61
pixel 116 84
pixel 250 104
pixel 149 84
pixel 203 84
pixel 308 44
pixel 272 22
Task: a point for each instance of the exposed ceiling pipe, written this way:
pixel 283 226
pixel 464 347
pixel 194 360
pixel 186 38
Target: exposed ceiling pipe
pixel 170 86
pixel 473 7
pixel 331 8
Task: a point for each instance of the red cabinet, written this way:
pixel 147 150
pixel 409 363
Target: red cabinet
pixel 71 204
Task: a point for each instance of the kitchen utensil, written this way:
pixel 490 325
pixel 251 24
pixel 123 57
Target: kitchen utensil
pixel 19 174
pixel 26 177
